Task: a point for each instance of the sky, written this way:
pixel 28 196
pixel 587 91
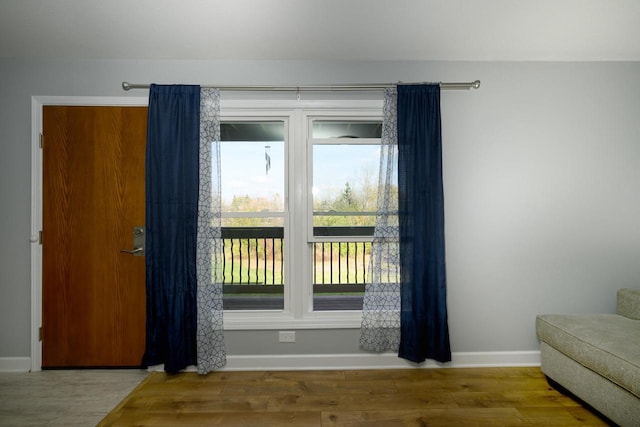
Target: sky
pixel 244 168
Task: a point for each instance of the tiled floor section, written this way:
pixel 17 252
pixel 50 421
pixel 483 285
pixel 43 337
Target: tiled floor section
pixel 63 398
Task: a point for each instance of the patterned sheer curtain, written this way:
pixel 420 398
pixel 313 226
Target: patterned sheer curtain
pixel 211 352
pixel 380 329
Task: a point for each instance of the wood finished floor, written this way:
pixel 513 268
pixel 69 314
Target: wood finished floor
pixel 419 397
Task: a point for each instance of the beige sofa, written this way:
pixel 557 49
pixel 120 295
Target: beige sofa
pixel 597 357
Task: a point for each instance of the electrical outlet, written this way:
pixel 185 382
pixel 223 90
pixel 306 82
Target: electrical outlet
pixel 287 336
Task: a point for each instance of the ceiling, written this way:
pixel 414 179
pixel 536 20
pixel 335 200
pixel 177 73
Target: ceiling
pixel 473 30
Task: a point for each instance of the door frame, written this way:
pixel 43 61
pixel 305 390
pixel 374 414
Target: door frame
pixel 37 104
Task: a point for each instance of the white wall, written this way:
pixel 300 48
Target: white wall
pixel 542 185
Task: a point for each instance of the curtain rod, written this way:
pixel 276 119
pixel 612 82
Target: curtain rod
pixel 318 88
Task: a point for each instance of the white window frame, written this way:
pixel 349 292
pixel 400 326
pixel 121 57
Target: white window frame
pixel 298 305
pixel 257 116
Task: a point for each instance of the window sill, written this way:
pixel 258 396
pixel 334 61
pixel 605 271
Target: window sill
pixel 269 320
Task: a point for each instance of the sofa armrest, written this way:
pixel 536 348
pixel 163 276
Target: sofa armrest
pixel 629 303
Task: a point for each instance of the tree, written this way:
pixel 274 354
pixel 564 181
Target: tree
pixel 347 197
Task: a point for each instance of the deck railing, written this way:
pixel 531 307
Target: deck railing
pixel 253 255
pixel 254 259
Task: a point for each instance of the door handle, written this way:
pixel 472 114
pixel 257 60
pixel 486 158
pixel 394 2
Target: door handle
pixel 138 242
pixel 134 251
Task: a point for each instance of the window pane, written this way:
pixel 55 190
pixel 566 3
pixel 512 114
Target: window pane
pixel 344 193
pixel 254 274
pixel 252 131
pixel 252 185
pixel 346 129
pixel 252 166
pixel 345 184
pixel 339 274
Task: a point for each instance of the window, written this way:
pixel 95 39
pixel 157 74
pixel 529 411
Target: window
pixel 253 213
pixel 299 188
pixel 345 155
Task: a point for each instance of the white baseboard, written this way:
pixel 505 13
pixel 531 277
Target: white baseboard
pixel 479 359
pixel 377 361
pixel 293 362
pixel 15 364
pixel 300 362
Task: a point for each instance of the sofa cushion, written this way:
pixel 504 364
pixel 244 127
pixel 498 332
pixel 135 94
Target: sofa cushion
pixel 629 303
pixel 605 343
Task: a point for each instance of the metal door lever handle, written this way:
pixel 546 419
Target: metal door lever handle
pixel 132 252
pixel 138 242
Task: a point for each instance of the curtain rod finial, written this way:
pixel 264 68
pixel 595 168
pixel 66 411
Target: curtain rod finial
pixel 474 85
pixel 127 86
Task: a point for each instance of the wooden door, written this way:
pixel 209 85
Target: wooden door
pixel 93 296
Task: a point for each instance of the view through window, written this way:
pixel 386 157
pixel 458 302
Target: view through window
pixel 336 214
pixel 345 160
pixel 253 197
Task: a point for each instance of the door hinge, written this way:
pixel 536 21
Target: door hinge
pixel 41 138
pixel 40 333
pixel 40 237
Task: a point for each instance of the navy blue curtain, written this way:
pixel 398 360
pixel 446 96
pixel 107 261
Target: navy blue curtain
pixel 424 330
pixel 171 218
